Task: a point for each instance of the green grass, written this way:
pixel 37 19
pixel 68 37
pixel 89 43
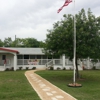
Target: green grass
pixel 90 89
pixel 14 86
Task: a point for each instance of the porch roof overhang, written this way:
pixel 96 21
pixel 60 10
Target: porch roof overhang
pixel 9 50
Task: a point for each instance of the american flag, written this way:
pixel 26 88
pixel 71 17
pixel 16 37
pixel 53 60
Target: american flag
pixel 65 4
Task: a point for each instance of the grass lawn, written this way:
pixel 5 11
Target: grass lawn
pixel 90 89
pixel 14 86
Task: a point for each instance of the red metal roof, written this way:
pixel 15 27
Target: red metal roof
pixel 10 50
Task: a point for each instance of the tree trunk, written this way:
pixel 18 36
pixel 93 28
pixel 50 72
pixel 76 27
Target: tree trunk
pixel 77 71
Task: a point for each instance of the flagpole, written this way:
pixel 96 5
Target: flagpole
pixel 74 51
pixel 74 40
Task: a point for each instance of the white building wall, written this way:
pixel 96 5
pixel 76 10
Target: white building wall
pixel 38 67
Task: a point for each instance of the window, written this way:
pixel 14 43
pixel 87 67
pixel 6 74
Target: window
pixel 38 56
pixel 3 57
pixel 44 57
pixel 26 56
pixel 32 57
pixel 19 56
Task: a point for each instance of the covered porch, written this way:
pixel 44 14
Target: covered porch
pixel 8 59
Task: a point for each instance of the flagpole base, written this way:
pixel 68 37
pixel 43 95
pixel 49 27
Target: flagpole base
pixel 74 85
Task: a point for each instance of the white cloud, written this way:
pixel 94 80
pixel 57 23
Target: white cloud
pixel 32 18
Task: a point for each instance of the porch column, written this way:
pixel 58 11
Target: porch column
pixel 88 63
pixel 63 60
pixel 15 62
pixel 67 61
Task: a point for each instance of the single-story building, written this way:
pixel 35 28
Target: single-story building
pixel 34 58
pixel 24 58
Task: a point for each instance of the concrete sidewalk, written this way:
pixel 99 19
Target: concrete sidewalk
pixel 45 89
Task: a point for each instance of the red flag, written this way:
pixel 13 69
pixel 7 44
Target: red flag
pixel 65 4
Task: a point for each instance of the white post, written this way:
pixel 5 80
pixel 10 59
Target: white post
pixel 67 60
pixel 63 60
pixel 23 60
pixel 88 63
pixel 5 66
pixel 53 61
pixel 15 62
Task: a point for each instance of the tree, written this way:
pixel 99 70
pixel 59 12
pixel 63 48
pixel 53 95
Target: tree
pixel 1 43
pixel 30 42
pixel 18 42
pixel 21 42
pixel 60 39
pixel 8 42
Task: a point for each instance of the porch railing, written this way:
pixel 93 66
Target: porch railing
pixel 39 62
pixel 50 63
pixel 2 62
pixel 53 62
pixel 32 62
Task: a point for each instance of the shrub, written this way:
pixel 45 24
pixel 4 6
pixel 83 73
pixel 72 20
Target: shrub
pixel 7 69
pixel 64 68
pixel 34 68
pixel 51 68
pixel 27 68
pixel 12 69
pixel 58 68
pixel 20 68
pixel 94 67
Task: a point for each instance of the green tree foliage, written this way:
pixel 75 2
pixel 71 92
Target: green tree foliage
pixel 87 35
pixel 60 39
pixel 1 43
pixel 7 42
pixel 20 42
pixel 30 42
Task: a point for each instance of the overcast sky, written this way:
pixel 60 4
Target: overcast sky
pixel 32 18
